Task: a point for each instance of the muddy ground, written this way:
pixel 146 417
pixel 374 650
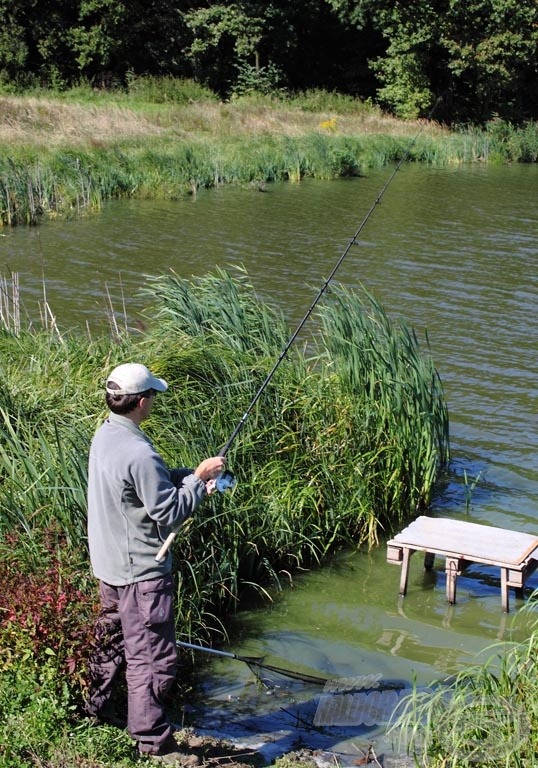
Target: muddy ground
pixel 217 752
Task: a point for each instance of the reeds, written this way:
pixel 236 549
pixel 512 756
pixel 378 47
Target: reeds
pixel 74 182
pixel 338 448
pixel 397 393
pixel 10 304
pixel 487 716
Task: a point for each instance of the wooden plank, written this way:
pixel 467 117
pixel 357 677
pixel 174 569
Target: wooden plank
pixel 471 541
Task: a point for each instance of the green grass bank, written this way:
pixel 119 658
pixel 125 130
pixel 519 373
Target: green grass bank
pixel 67 154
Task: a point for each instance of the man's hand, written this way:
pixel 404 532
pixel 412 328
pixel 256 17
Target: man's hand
pixel 210 468
pixel 211 487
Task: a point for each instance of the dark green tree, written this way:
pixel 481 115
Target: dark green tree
pixel 228 45
pixel 492 58
pixel 482 52
pixel 114 38
pixel 35 42
pixel 249 44
pixel 59 42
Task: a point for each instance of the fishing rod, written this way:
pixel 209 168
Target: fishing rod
pixel 226 480
pixel 259 663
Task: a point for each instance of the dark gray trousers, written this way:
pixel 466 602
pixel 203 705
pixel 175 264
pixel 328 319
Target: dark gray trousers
pixel 136 625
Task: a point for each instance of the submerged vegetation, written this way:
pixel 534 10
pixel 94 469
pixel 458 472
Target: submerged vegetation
pixel 344 445
pixel 66 155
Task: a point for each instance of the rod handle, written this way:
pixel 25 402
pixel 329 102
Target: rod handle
pixel 161 554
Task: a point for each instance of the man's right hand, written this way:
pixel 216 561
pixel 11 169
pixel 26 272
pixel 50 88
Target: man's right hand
pixel 210 468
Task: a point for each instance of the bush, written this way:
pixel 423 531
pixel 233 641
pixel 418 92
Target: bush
pixel 47 610
pixel 167 90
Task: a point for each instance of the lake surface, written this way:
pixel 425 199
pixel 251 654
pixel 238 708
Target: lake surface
pixel 452 251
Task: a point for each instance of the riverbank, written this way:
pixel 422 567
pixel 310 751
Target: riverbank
pixel 84 119
pixel 66 155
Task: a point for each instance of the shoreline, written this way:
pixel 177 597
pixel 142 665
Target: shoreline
pixel 63 158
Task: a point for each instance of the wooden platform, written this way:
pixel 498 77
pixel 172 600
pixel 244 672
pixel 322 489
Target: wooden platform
pixel 462 543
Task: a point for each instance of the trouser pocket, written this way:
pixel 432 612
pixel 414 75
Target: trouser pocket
pixel 156 601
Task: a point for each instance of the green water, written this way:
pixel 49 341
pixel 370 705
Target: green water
pixel 454 252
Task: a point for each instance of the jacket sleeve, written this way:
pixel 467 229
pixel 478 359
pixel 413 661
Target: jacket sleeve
pixel 178 475
pixel 165 503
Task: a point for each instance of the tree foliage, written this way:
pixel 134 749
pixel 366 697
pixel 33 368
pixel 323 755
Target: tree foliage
pixel 482 54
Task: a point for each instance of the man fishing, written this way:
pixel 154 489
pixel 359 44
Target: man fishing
pixel 134 501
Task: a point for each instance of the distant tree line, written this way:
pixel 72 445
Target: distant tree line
pixel 481 54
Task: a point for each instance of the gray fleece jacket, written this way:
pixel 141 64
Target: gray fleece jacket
pixel 134 501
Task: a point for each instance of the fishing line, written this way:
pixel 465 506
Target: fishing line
pixel 226 479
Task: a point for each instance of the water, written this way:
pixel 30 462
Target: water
pixel 453 252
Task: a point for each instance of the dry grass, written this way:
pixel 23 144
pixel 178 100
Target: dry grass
pixel 39 121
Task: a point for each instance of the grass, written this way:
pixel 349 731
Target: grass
pixel 78 119
pixel 67 154
pixel 70 182
pixel 487 716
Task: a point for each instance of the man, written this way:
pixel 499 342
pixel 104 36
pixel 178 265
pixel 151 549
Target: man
pixel 133 503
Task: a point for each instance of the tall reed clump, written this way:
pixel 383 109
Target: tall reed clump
pixel 402 427
pixel 487 716
pixel 513 143
pixel 41 185
pixel 337 449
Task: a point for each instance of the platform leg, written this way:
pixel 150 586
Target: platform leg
pixel 452 570
pixel 504 590
pixel 404 574
pixel 429 559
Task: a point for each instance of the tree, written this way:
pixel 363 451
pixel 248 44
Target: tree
pixel 13 44
pixel 483 52
pixel 34 41
pixel 492 58
pixel 226 42
pixel 407 68
pixel 113 38
pixel 264 45
pixel 59 42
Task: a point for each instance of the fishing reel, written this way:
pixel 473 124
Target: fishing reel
pixel 225 481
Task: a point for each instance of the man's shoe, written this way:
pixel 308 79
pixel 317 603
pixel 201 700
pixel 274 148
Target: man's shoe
pixel 171 754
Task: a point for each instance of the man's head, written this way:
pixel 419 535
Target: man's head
pixel 129 384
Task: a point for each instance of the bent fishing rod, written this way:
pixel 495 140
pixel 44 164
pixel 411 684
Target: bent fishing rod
pixel 226 479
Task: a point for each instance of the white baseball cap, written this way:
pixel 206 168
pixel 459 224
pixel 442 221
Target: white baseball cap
pixel 132 379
